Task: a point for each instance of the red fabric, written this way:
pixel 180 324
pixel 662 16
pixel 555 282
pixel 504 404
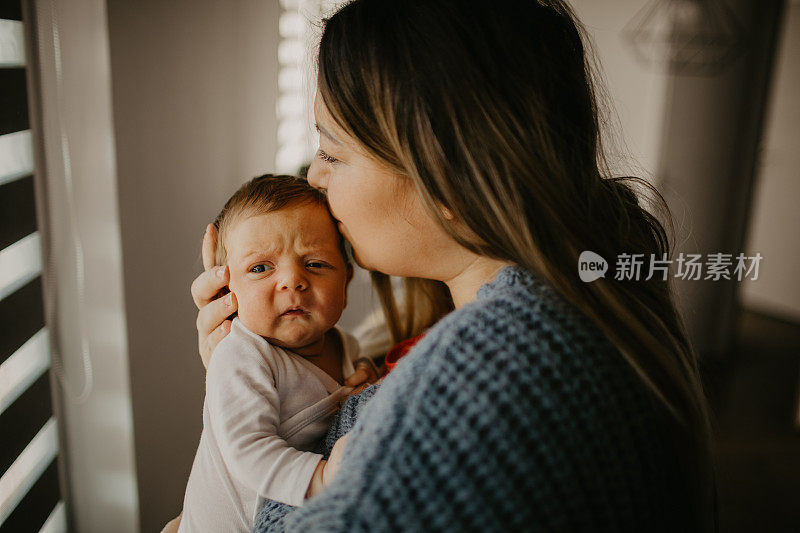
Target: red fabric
pixel 399 350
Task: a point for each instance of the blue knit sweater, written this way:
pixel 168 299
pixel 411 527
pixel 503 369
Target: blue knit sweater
pixel 514 413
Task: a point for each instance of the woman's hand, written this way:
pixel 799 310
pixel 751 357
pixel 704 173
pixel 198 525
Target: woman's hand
pixel 326 471
pixel 173 525
pixel 335 459
pixel 212 319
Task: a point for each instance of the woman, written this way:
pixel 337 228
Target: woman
pixel 459 148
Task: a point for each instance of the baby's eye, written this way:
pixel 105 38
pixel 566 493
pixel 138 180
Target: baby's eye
pixel 316 264
pixel 325 157
pixel 259 269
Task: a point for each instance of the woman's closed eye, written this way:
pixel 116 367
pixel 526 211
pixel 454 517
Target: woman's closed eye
pixel 325 157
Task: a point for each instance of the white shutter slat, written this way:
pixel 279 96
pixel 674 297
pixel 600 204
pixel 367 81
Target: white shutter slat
pixel 24 367
pixel 29 466
pixel 12 43
pixel 57 521
pixel 20 263
pixel 16 155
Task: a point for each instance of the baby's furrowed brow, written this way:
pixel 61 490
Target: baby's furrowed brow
pixel 320 247
pixel 261 254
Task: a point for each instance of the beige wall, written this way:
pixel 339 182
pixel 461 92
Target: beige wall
pixel 636 92
pixel 694 136
pixel 194 88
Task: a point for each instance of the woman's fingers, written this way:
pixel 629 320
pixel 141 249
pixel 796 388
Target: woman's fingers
pixel 213 314
pixel 207 285
pixel 173 525
pixel 213 324
pixel 207 344
pixel 209 247
pixel 212 317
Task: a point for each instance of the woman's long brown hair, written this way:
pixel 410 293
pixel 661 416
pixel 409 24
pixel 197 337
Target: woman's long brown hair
pixel 489 109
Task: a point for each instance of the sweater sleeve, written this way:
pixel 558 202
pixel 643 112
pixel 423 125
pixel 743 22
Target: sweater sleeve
pixel 244 409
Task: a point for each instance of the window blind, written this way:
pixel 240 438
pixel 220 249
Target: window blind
pixel 298 31
pixel 30 498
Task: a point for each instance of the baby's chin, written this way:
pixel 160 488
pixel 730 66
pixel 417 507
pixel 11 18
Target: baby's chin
pixel 290 336
pixel 294 343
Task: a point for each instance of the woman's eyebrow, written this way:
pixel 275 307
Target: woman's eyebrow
pixel 326 133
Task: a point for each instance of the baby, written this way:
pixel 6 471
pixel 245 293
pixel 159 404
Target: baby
pixel 274 382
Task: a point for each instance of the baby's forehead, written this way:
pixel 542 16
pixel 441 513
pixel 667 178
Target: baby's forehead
pixel 290 228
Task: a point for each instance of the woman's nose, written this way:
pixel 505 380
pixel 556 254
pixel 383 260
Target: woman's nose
pixel 317 175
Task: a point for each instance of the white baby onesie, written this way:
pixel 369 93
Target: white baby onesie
pixel 265 409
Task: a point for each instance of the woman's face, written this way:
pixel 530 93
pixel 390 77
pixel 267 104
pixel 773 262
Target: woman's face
pixel 378 210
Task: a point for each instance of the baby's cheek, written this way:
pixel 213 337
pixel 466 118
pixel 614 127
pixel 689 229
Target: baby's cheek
pixel 333 306
pixel 253 313
pixel 243 306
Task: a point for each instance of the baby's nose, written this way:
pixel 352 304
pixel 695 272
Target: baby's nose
pixel 298 286
pixel 294 281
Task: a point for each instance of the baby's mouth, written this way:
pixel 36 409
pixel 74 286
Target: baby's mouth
pixel 294 311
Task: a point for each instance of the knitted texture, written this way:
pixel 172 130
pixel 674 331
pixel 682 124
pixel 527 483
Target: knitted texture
pixel 513 413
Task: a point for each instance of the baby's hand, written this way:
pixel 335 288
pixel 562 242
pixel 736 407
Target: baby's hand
pixel 366 373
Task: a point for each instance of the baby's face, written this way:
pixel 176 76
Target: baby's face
pixel 288 274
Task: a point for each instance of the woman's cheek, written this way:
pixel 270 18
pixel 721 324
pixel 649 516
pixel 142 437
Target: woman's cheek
pixel 333 202
pixel 341 198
